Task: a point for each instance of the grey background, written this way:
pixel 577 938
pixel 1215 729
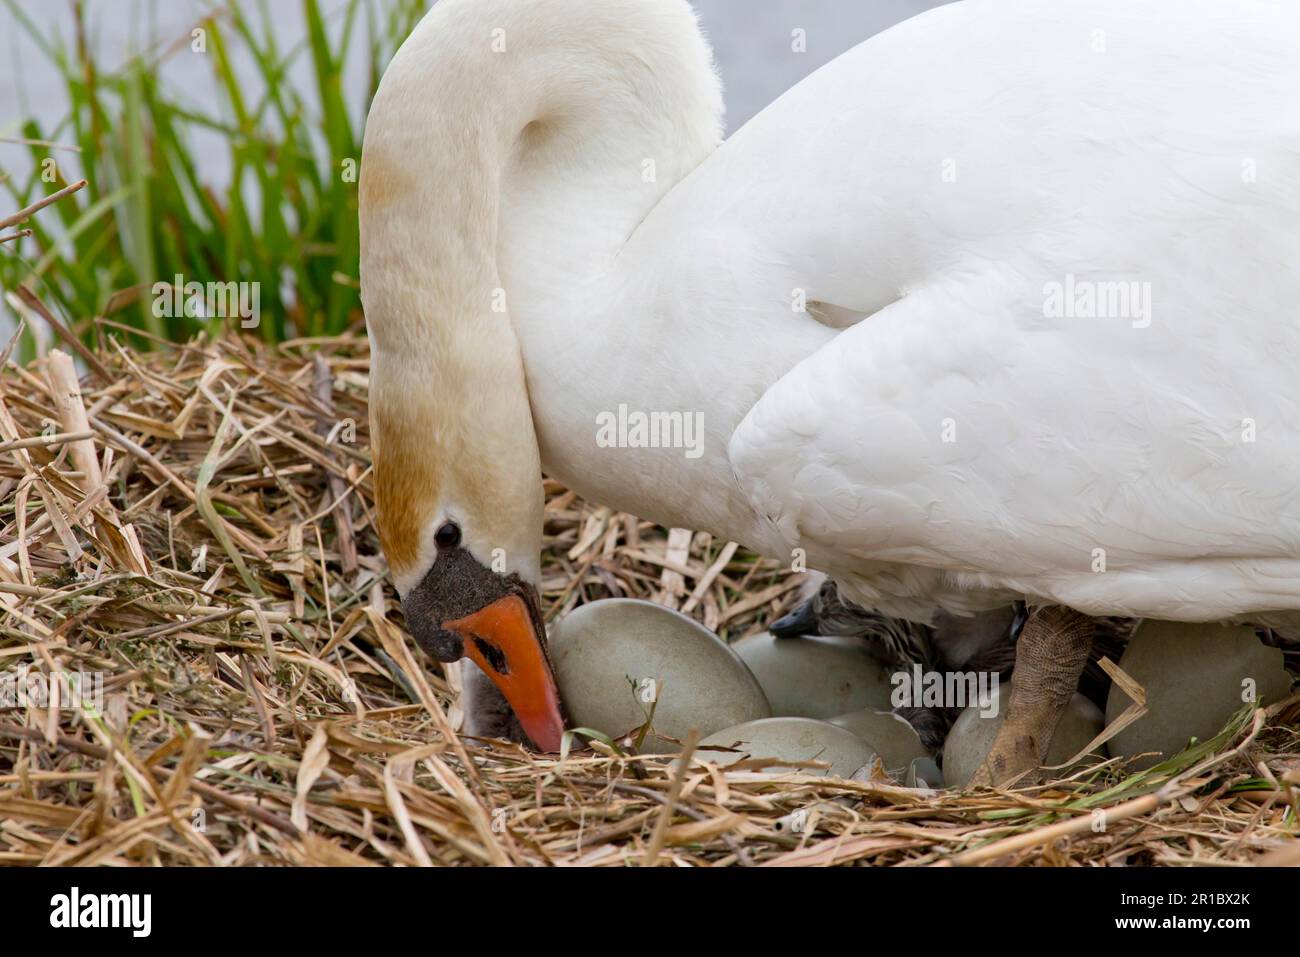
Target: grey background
pixel 751 40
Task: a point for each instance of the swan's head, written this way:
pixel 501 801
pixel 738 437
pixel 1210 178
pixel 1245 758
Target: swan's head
pixel 458 490
pixel 523 129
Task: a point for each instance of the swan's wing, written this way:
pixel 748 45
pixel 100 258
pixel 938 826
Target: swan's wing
pixel 994 430
pixel 960 445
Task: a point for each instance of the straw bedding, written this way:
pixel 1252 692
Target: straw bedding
pixel 196 526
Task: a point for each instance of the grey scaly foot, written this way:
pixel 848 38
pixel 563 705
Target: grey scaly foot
pixel 1050 655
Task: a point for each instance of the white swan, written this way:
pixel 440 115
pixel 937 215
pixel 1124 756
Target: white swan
pixel 1050 253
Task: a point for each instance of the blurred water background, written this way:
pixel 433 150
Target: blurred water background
pixel 752 40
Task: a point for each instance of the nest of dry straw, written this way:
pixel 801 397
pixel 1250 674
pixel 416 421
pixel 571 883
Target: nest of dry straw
pixel 195 525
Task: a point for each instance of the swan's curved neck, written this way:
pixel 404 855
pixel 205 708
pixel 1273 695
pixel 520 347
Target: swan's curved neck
pixel 535 136
pixel 510 151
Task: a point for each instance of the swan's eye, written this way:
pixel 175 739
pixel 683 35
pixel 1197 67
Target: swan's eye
pixel 448 536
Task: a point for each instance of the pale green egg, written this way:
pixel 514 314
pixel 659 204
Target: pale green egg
pixel 616 658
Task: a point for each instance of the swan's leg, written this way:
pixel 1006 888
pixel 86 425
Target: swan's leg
pixel 1050 655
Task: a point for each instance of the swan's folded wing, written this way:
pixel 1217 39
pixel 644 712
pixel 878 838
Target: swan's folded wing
pixel 961 445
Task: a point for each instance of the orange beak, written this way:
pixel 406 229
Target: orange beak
pixel 503 641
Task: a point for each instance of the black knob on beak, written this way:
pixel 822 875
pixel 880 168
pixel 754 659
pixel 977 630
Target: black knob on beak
pixel 446 646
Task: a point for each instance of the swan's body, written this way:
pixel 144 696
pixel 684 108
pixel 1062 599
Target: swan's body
pixel 960 446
